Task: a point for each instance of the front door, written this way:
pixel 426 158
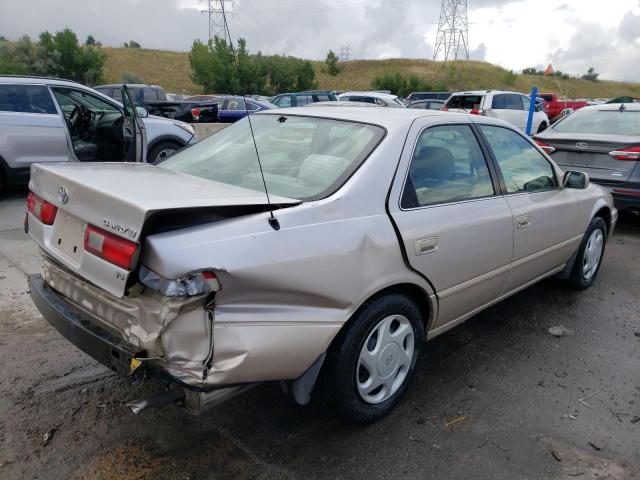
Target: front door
pixel 547 229
pixel 135 139
pixel 456 228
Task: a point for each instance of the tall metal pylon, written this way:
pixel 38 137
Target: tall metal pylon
pixel 218 11
pixel 452 39
pixel 344 53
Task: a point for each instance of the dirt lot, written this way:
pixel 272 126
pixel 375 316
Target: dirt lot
pixel 514 388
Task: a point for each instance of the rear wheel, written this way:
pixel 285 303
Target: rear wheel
pixel 590 255
pixel 162 151
pixel 374 360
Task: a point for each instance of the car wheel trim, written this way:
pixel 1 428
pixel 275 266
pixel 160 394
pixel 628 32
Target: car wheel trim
pixel 164 153
pixel 592 254
pixel 385 359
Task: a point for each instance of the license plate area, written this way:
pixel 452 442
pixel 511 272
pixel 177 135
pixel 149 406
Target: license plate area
pixel 68 237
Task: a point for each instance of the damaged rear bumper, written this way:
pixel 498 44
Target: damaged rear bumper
pixel 100 344
pixel 120 356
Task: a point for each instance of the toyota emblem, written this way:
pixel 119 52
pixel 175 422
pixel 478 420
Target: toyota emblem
pixel 63 194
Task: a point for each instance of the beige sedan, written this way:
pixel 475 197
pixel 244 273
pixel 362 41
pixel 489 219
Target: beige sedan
pixel 382 228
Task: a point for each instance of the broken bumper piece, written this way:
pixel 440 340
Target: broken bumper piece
pixel 122 357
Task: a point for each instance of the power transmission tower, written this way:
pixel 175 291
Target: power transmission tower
pixel 452 38
pixel 218 10
pixel 344 53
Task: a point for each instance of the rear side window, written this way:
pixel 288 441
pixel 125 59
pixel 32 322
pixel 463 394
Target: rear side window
pixel 447 166
pixel 322 98
pixel 523 167
pixel 499 102
pixel 466 102
pixel 304 100
pixel 626 122
pixel 514 102
pixel 149 95
pixel 26 99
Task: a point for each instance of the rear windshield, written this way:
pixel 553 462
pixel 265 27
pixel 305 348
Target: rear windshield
pixel 466 102
pixel 613 122
pixel 305 158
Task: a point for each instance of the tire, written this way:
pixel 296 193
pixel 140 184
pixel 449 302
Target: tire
pixel 542 127
pixel 161 151
pixel 590 254
pixel 347 380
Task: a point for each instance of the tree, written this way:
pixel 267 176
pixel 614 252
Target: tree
pixel 90 40
pixel 128 77
pixel 402 86
pixel 591 75
pixel 332 63
pixel 131 44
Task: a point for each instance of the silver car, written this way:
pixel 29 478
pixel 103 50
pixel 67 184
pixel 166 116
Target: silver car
pixel 52 120
pixel 382 228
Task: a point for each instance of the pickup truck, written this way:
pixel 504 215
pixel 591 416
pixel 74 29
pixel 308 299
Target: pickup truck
pixel 555 108
pixel 154 99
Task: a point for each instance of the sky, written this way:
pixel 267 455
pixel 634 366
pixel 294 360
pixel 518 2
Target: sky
pixel 573 35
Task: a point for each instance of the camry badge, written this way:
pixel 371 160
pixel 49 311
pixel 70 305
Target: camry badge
pixel 63 194
pixel 582 145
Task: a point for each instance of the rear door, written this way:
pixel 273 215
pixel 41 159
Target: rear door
pixel 456 228
pixel 546 225
pixel 133 130
pixel 31 128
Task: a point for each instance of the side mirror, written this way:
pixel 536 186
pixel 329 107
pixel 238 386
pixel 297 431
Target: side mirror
pixel 538 107
pixel 575 179
pixel 142 112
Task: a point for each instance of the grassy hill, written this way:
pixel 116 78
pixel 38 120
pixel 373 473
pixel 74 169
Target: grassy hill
pixel 171 70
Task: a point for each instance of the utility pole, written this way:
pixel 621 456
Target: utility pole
pixel 344 53
pixel 218 10
pixel 452 38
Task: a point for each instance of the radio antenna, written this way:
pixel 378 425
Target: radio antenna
pixel 273 221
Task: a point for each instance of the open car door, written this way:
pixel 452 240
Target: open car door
pixel 135 137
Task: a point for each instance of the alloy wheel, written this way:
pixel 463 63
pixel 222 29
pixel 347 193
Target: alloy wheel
pixel 592 254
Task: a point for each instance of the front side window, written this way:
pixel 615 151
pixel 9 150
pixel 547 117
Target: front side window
pixel 26 99
pixel 149 95
pixel 447 166
pixel 302 157
pixel 69 98
pixel 284 101
pixel 523 167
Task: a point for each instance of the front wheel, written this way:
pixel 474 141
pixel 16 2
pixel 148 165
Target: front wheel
pixel 542 127
pixel 590 255
pixel 162 151
pixel 374 360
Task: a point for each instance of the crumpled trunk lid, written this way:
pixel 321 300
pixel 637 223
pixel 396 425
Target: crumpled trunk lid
pixel 120 199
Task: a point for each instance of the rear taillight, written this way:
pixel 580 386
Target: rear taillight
pixel 116 250
pixel 632 154
pixel 476 111
pixel 41 209
pixel 444 108
pixel 195 283
pixel 195 113
pixel 547 148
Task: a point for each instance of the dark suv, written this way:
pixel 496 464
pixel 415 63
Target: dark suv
pixel 301 99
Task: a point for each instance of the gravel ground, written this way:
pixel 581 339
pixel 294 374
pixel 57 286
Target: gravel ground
pixel 495 398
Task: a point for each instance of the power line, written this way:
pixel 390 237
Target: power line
pixel 452 38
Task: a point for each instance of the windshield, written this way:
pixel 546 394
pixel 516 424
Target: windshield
pixel 302 157
pixel 614 122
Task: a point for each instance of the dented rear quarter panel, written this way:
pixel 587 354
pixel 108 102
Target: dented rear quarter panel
pixel 286 294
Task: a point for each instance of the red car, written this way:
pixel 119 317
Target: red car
pixel 555 107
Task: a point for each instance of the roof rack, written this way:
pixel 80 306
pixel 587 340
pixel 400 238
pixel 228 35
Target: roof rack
pixel 39 77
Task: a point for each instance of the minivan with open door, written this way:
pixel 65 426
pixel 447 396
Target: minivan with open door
pixel 133 131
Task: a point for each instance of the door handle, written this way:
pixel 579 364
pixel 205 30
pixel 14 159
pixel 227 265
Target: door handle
pixel 426 245
pixel 523 221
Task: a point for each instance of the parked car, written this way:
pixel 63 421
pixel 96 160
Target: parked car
pixel 154 99
pixel 203 98
pixel 427 104
pixel 301 99
pixel 52 120
pixel 556 107
pixel 512 107
pixel 382 228
pixel 379 98
pixel 233 108
pixel 603 141
pixel 412 97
